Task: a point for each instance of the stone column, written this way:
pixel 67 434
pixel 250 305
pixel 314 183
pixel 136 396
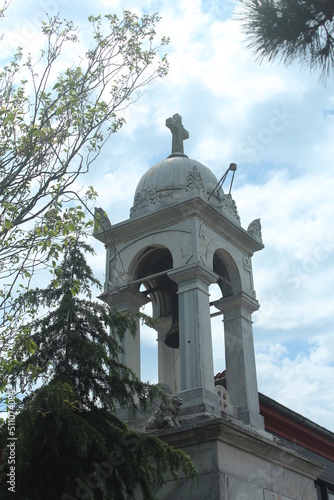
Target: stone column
pixel 129 300
pixel 241 381
pixel 196 359
pixel 168 359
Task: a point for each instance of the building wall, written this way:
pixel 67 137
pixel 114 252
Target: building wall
pixel 237 462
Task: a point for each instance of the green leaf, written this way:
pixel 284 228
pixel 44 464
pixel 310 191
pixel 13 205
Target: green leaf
pixel 32 346
pixel 36 132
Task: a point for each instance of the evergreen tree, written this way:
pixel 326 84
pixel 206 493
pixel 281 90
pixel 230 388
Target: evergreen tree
pixel 70 443
pixel 290 30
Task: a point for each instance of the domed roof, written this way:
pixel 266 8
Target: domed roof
pixel 172 178
pixel 177 173
pixel 177 179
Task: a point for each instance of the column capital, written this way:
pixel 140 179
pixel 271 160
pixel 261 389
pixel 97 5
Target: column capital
pixel 193 271
pixel 125 298
pixel 239 301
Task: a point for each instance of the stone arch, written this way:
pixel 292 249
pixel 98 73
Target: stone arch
pixel 150 266
pixel 133 252
pixel 229 280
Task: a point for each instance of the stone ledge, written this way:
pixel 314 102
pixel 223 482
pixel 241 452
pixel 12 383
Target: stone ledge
pixel 249 439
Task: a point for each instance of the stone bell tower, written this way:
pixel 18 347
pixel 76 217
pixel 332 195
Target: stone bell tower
pixel 184 234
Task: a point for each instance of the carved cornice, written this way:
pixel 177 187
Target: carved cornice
pixel 144 199
pixel 228 205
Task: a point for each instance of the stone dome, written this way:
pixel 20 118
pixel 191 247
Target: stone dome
pixel 172 180
pixel 175 180
pixel 178 179
pixel 176 173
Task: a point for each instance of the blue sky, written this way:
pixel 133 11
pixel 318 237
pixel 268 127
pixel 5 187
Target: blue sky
pixel 277 124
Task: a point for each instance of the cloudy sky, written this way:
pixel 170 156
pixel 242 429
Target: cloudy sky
pixel 277 124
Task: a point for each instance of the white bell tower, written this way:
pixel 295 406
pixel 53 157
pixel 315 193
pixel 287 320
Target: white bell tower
pixel 184 234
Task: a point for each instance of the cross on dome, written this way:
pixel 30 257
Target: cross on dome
pixel 179 133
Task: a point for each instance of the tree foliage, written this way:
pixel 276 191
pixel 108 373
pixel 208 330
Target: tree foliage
pixel 290 30
pixel 53 125
pixel 70 443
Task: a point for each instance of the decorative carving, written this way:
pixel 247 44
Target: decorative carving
pixel 254 230
pixel 144 199
pixel 246 262
pixel 194 180
pixel 230 206
pixel 111 270
pixel 101 220
pixel 202 232
pixel 219 193
pixel 165 417
pixel 224 401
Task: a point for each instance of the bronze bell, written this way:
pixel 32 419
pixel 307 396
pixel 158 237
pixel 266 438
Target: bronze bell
pixel 172 338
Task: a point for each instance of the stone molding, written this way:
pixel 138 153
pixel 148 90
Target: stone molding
pixel 186 274
pixel 125 299
pixel 239 435
pixel 170 215
pixel 228 304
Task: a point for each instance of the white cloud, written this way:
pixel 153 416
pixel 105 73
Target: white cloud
pixel 303 382
pixel 293 273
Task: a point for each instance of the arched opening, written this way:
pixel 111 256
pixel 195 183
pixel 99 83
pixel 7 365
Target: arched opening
pixel 151 279
pixel 229 278
pixel 152 267
pixel 216 318
pixel 228 285
pixel 148 348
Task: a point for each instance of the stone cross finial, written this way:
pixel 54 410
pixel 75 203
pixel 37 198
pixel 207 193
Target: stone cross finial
pixel 179 133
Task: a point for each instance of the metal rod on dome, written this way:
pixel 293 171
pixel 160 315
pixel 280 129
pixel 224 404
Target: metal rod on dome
pixel 232 167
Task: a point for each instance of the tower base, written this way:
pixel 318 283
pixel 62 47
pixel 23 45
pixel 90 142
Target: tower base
pixel 237 462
